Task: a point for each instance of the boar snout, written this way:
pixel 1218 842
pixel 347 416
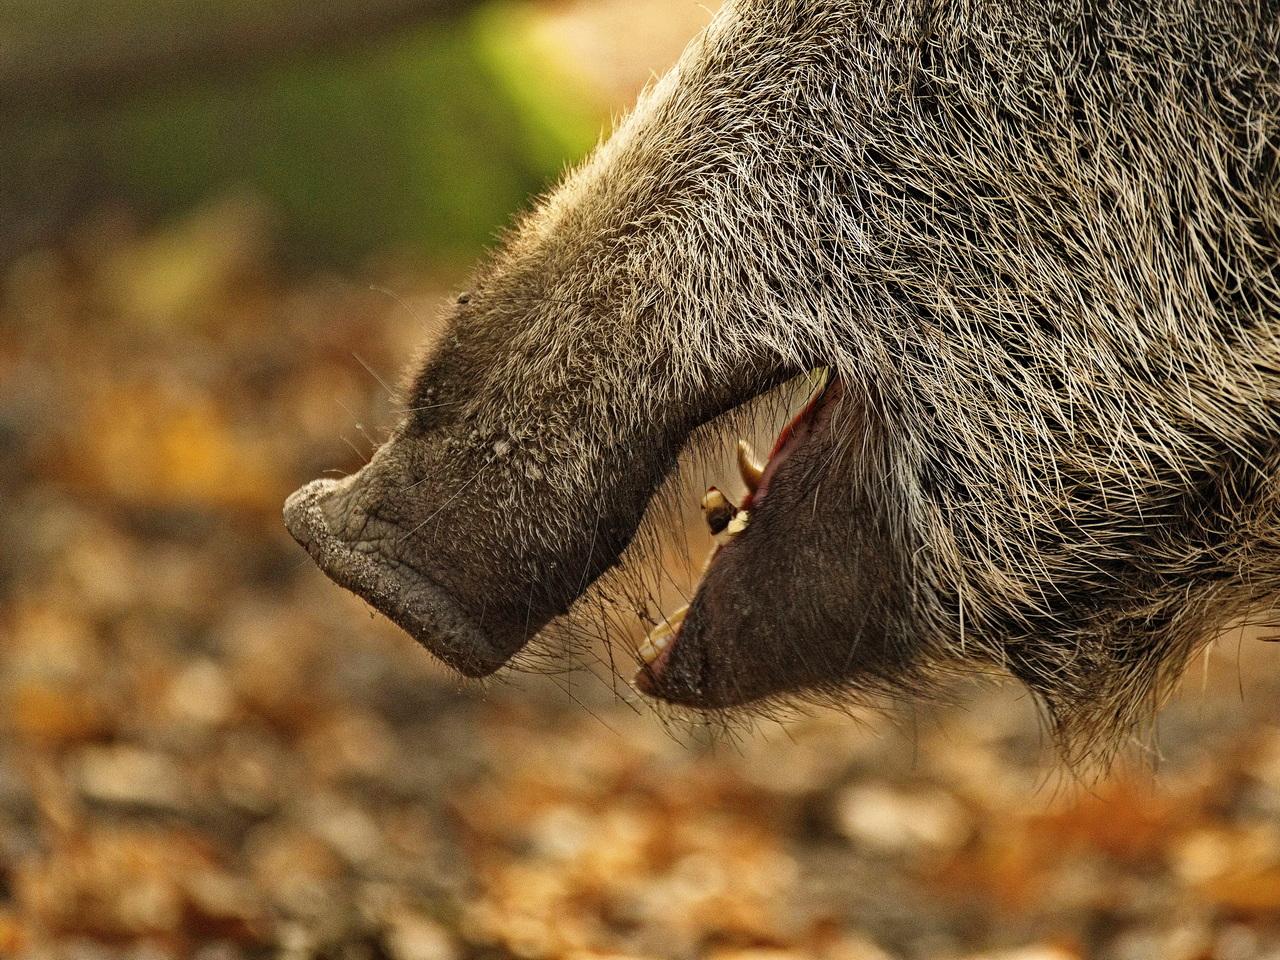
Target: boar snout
pixel 503 495
pixel 333 520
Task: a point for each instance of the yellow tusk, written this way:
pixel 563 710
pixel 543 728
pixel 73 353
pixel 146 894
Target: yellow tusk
pixel 660 636
pixel 748 466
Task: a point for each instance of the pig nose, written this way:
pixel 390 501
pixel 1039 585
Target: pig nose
pixel 358 551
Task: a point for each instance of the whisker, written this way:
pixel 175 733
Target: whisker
pixel 400 300
pixel 373 373
pixel 457 493
pixel 432 406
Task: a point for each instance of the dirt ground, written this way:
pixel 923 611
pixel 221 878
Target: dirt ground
pixel 210 751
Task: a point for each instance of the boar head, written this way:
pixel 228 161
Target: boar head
pixel 1040 279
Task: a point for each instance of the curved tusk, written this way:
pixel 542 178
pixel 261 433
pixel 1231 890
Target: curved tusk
pixel 660 636
pixel 748 466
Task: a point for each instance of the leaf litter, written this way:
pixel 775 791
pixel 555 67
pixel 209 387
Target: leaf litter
pixel 211 752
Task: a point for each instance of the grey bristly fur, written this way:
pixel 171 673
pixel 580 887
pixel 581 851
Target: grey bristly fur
pixel 1039 242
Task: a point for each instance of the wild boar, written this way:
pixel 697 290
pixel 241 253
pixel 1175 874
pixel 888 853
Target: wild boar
pixel 1033 250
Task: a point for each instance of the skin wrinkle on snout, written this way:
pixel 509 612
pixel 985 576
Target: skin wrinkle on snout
pixel 1036 243
pixel 461 490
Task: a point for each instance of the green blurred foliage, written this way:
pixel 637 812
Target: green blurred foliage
pixel 559 120
pixel 429 139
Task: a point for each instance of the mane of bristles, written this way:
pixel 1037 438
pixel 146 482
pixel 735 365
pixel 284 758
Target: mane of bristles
pixel 1040 245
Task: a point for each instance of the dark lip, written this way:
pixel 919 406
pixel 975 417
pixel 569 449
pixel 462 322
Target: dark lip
pixel 794 432
pixel 416 604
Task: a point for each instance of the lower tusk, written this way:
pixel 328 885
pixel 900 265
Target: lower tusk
pixel 660 636
pixel 748 466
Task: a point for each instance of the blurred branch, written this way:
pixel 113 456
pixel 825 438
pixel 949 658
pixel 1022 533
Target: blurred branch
pixel 55 55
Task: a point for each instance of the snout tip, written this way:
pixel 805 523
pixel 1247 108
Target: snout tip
pixel 302 516
pixel 420 607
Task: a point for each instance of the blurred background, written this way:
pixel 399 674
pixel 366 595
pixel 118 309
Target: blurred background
pixel 226 228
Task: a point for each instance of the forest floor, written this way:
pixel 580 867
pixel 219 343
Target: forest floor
pixel 210 751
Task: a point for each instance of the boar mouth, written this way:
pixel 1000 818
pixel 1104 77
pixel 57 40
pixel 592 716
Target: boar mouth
pixel 683 659
pixel 426 611
pixel 363 531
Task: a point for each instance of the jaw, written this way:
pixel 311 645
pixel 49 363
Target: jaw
pixel 807 596
pixel 484 518
pixel 801 599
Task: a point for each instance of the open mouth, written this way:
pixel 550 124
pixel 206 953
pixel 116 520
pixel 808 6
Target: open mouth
pixel 391 534
pixel 729 521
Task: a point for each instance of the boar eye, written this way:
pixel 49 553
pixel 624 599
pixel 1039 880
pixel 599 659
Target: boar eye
pixel 464 297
